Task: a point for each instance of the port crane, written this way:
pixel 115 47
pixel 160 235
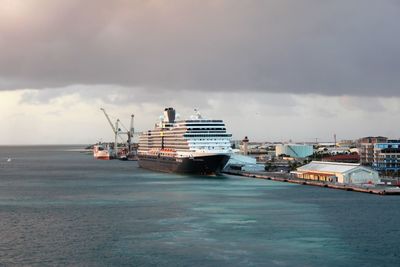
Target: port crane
pixel 117 132
pixel 130 133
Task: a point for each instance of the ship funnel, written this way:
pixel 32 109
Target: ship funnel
pixel 169 115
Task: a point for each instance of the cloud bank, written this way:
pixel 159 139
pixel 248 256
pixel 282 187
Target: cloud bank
pixel 71 115
pixel 343 47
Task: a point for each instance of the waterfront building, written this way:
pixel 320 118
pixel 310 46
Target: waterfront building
pixel 366 148
pixel 325 144
pixel 387 157
pixel 347 158
pixel 333 150
pixel 346 143
pixel 294 150
pixel 243 163
pixel 249 148
pixel 235 144
pixel 344 173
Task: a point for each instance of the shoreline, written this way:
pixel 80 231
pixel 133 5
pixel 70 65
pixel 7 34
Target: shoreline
pixel 287 178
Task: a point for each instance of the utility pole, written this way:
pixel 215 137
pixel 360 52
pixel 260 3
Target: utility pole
pixel 334 137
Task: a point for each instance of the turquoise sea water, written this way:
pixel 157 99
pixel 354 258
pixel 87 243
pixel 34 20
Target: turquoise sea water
pixel 61 207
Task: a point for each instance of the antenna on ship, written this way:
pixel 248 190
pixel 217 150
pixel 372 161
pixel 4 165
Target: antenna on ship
pixel 197 112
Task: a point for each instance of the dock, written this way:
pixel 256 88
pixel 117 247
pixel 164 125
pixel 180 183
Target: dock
pixel 288 178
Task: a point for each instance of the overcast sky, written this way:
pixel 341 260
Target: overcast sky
pixel 274 70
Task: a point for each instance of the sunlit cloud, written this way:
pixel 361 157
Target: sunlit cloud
pixel 74 116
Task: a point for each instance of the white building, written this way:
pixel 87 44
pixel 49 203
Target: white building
pixel 244 163
pixel 294 150
pixel 334 150
pixel 345 173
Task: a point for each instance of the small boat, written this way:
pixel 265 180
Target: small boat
pixel 122 154
pixel 9 159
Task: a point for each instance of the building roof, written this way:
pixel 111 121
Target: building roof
pixel 297 145
pixel 344 158
pixel 334 167
pixel 241 159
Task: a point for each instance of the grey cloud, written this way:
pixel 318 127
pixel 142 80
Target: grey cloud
pixel 344 47
pixel 44 96
pixel 114 95
pixel 259 103
pixel 366 104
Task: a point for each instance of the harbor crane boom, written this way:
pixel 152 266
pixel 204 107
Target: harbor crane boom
pixel 115 130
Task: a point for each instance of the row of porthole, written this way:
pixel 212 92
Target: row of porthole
pixel 206 129
pixel 212 147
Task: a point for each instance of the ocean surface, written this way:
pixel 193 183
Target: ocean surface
pixel 60 207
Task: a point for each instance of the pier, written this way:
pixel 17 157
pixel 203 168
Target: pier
pixel 289 178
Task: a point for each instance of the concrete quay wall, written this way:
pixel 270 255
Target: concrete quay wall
pixel 289 178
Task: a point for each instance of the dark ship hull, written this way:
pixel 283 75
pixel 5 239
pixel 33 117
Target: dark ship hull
pixel 198 165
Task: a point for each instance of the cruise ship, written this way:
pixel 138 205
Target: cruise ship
pixel 196 145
